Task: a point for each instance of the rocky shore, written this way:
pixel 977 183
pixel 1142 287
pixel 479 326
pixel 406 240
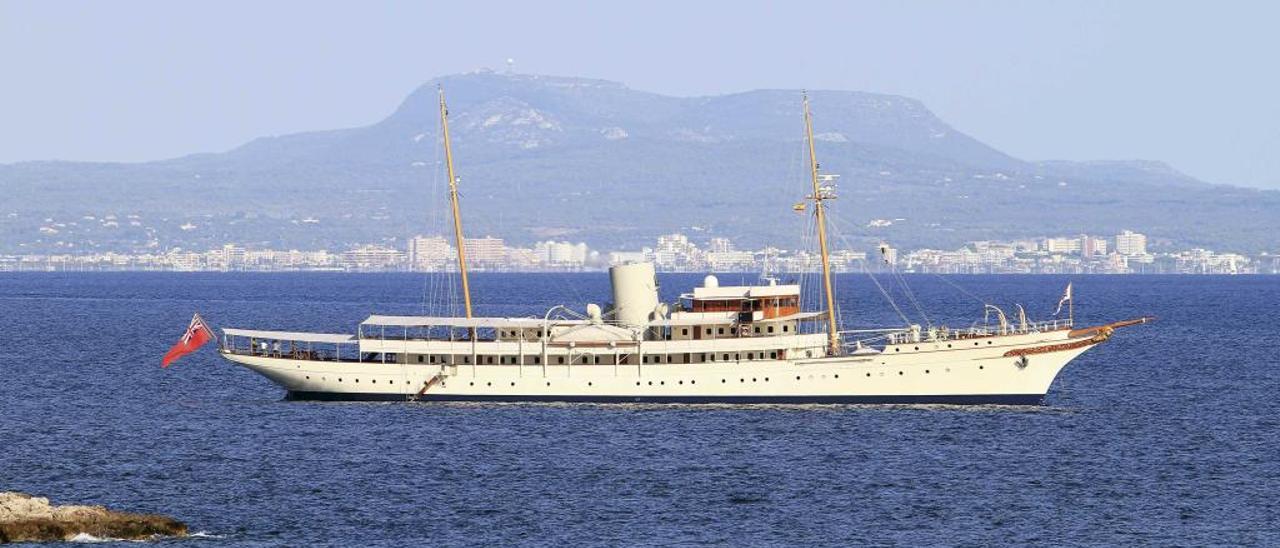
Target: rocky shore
pixel 24 518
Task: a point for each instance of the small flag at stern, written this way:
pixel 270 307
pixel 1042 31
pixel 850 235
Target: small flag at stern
pixel 198 333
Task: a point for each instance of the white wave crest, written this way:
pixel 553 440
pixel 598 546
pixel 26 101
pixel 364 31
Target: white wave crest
pixel 205 534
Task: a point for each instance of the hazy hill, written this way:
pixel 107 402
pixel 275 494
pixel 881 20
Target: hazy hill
pixel 593 160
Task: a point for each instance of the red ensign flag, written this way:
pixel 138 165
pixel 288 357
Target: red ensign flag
pixel 197 334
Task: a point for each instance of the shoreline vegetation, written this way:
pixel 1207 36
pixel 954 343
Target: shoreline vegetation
pixel 27 518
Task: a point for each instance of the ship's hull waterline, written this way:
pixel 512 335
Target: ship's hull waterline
pixel 993 372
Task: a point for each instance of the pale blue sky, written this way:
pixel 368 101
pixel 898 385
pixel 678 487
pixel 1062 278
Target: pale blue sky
pixel 1194 84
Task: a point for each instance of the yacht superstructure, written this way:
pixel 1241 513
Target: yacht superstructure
pixel 718 343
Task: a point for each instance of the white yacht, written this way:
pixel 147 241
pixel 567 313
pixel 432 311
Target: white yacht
pixel 718 343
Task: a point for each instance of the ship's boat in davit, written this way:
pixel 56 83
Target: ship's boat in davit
pixel 717 343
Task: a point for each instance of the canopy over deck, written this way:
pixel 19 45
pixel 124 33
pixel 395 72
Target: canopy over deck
pixel 441 321
pixel 329 338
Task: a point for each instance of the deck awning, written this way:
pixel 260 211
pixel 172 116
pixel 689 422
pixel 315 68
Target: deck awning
pixel 296 336
pixel 438 321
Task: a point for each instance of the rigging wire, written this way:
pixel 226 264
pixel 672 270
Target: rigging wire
pixel 980 300
pixel 883 292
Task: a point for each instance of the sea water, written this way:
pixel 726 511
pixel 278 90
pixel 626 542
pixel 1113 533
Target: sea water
pixel 1164 435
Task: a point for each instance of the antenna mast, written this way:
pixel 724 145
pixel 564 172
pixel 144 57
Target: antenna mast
pixel 453 203
pixel 821 193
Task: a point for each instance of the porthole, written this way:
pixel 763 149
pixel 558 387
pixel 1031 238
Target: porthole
pixel 548 384
pixel 899 372
pixel 513 384
pixel 742 380
pixel 979 367
pixel 868 374
pixel 988 342
pixel 308 377
pixel 488 384
pixel 948 345
pixel 693 382
pixel 797 377
pixel 897 350
pixel 589 383
pixel 339 379
pixel 917 348
pixel 975 343
pixel 837 376
pixel 753 379
pixel 926 371
pixel 650 383
pixel 681 382
pixel 766 379
pixel 663 383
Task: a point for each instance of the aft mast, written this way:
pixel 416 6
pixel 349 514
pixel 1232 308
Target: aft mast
pixel 453 203
pixel 820 194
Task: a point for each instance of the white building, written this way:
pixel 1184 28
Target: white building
pixel 561 253
pixel 1062 245
pixel 1092 246
pixel 1131 243
pixel 488 251
pixel 719 245
pixel 429 252
pixel 372 257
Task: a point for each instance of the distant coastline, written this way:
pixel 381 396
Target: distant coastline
pixel 1123 253
pixel 605 270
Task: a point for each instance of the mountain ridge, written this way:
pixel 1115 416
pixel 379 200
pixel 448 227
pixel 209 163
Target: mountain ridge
pixel 601 162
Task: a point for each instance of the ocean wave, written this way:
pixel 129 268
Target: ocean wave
pixel 206 535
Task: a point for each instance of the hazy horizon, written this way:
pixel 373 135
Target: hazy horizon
pixel 139 81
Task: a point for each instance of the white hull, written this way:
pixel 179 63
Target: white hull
pixel 982 373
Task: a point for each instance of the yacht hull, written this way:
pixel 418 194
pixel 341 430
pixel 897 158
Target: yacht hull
pixel 1005 370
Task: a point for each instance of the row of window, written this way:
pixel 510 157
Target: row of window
pixel 603 359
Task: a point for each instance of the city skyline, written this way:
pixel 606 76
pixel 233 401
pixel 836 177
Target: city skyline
pixel 1123 253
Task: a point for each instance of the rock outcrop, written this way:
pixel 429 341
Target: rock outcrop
pixel 24 518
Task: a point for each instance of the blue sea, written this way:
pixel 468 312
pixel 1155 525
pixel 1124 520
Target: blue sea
pixel 1167 435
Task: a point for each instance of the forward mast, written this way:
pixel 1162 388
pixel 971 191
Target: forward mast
pixel 453 204
pixel 823 189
